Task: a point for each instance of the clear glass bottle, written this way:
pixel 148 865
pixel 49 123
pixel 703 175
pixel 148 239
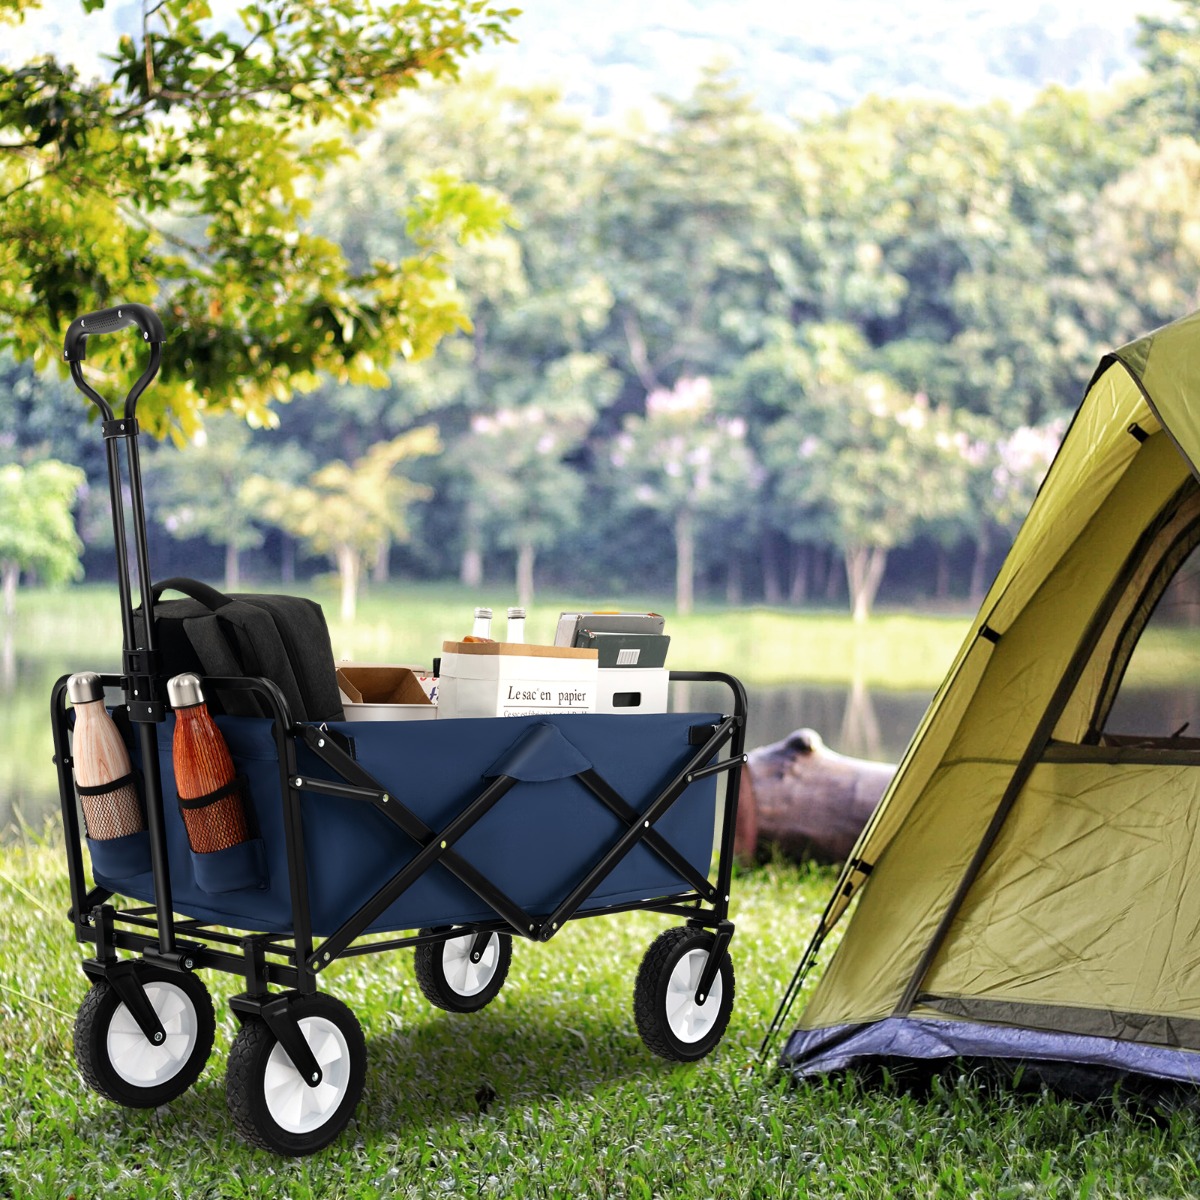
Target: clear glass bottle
pixel 483 624
pixel 515 631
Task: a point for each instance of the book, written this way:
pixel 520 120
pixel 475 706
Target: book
pixel 571 624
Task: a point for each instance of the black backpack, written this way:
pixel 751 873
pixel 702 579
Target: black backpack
pixel 280 638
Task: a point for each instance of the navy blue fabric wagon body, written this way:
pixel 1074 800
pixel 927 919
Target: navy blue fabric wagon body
pixel 538 840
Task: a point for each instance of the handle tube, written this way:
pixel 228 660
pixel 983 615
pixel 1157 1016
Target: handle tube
pixel 109 320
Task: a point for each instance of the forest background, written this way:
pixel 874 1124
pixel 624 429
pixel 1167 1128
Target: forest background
pixel 777 343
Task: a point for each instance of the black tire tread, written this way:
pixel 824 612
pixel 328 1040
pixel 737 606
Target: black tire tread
pixel 427 962
pixel 253 1039
pixel 244 1073
pixel 88 1015
pixel 98 1007
pixel 658 961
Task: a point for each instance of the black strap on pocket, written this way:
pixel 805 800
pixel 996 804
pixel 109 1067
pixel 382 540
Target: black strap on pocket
pixel 102 789
pixel 226 789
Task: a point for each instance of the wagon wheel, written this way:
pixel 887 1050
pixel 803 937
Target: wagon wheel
pixel 670 1021
pixel 116 1058
pixel 272 1104
pixel 459 976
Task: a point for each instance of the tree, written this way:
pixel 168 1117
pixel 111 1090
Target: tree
pixel 523 489
pixel 692 231
pixel 1169 97
pixel 37 531
pixel 879 463
pixel 184 179
pixel 197 491
pixel 345 510
pixel 685 462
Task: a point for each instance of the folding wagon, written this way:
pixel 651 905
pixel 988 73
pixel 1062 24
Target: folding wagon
pixel 455 835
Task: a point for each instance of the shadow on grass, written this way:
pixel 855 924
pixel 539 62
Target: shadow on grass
pixel 442 1068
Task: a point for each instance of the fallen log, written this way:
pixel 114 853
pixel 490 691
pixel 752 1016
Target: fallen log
pixel 806 801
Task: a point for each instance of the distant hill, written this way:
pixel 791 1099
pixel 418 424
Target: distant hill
pixel 803 59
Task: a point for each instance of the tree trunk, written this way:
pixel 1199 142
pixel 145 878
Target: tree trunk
pixel 733 580
pixel 381 567
pixel 832 575
pixel 685 561
pixel 470 568
pixel 941 584
pixel 233 575
pixel 983 546
pixel 864 574
pixel 10 573
pixel 798 592
pixel 525 559
pixel 772 589
pixel 348 565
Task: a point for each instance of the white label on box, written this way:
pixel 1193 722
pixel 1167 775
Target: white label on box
pixel 507 686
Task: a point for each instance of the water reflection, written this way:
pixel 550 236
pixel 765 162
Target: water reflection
pixel 852 719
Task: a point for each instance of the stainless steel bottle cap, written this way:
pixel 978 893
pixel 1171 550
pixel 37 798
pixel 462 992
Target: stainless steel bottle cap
pixel 84 688
pixel 184 690
pixel 483 612
pixel 515 612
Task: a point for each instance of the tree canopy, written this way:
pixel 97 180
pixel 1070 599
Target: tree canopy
pixel 184 179
pixel 888 309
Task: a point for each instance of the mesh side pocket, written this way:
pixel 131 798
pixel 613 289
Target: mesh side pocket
pixel 217 821
pixel 112 810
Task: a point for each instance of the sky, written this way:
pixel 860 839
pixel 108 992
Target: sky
pixel 616 55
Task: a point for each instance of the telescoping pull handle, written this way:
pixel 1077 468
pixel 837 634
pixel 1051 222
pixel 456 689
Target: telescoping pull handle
pixel 109 320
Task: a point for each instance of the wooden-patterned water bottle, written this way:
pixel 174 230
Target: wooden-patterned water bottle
pixel 210 795
pixel 104 775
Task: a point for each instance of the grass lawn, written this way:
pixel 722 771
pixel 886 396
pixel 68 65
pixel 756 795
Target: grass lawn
pixel 581 1109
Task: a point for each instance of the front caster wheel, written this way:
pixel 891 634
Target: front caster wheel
pixel 115 1057
pixel 272 1104
pixel 460 975
pixel 670 1021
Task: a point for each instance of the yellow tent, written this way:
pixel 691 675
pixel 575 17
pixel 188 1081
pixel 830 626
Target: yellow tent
pixel 1029 886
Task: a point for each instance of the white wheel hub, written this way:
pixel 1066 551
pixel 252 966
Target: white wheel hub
pixel 687 1020
pixel 295 1106
pixel 136 1059
pixel 465 977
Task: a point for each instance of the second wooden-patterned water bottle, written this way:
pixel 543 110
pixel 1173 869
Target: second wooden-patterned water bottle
pixel 210 794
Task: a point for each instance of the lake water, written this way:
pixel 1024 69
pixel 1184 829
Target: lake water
pixel 862 723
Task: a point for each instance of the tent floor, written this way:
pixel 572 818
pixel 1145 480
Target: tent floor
pixel 913 1048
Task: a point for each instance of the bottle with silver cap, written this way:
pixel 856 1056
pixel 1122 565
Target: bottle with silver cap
pixel 210 795
pixel 104 775
pixel 515 631
pixel 481 631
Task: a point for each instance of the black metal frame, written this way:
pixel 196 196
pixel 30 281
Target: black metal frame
pixel 95 920
pixel 292 962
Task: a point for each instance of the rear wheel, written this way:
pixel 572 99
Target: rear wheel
pixel 116 1058
pixel 460 975
pixel 670 1020
pixel 273 1106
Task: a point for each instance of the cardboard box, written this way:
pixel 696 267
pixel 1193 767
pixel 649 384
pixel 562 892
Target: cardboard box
pixel 379 692
pixel 504 679
pixel 633 690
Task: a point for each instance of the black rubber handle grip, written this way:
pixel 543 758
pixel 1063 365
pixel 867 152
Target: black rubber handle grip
pixel 109 320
